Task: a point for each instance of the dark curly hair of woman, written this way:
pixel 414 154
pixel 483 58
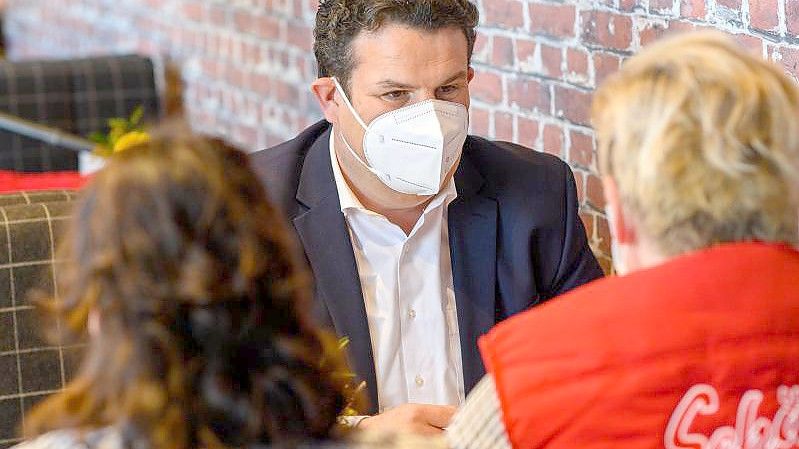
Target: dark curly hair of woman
pixel 181 277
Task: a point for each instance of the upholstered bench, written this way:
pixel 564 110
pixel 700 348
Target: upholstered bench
pixel 36 196
pixel 30 368
pixel 77 96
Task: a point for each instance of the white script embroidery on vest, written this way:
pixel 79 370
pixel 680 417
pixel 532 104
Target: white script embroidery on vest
pixel 750 431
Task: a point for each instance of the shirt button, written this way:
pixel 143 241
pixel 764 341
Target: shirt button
pixel 419 381
pixel 412 313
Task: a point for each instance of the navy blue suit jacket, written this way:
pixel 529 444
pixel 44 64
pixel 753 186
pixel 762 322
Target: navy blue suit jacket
pixel 515 238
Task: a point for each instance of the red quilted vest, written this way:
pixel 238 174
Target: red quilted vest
pixel 700 352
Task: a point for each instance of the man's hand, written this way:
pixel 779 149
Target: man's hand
pixel 420 419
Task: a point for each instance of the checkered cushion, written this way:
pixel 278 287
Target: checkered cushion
pixel 37 196
pixel 30 368
pixel 77 96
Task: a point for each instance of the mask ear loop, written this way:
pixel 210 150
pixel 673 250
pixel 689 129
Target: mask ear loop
pixel 344 139
pixel 349 105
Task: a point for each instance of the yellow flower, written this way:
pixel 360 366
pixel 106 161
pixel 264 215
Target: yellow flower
pixel 116 132
pixel 130 139
pixel 334 361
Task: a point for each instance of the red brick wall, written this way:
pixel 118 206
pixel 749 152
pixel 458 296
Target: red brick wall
pixel 538 63
pixel 246 64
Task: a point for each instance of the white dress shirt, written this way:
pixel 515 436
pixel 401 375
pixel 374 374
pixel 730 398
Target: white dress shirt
pixel 409 297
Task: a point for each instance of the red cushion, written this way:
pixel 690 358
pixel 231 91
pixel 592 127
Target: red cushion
pixel 11 181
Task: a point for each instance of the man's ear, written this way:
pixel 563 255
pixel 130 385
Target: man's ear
pixel 324 89
pixel 619 221
pixel 469 75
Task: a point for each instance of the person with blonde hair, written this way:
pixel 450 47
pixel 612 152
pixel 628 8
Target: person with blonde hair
pixel 696 342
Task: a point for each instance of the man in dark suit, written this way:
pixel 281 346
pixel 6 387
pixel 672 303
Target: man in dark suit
pixel 419 238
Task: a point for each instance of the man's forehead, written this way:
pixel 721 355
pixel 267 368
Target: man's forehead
pixel 396 52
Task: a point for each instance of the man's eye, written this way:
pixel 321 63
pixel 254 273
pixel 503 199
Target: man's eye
pixel 395 95
pixel 448 90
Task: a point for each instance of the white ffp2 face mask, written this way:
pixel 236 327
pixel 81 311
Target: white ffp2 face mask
pixel 412 149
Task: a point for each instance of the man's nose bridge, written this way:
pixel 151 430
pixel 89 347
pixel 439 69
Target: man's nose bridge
pixel 427 94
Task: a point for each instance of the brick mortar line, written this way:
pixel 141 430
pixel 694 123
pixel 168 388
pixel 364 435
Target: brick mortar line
pixel 545 119
pixel 516 74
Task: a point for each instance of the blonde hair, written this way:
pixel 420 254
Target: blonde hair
pixel 702 140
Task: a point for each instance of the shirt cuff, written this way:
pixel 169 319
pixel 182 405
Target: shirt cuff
pixel 351 421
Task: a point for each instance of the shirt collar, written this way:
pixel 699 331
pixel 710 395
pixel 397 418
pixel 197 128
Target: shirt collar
pixel 348 200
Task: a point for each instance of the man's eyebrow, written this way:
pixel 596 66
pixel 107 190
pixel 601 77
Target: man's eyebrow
pixel 391 84
pixel 457 76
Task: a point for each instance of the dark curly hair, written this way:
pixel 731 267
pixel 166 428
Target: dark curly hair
pixel 202 340
pixel 338 22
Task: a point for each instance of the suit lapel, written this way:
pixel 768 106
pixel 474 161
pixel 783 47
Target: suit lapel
pixel 473 244
pixel 472 235
pixel 323 232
